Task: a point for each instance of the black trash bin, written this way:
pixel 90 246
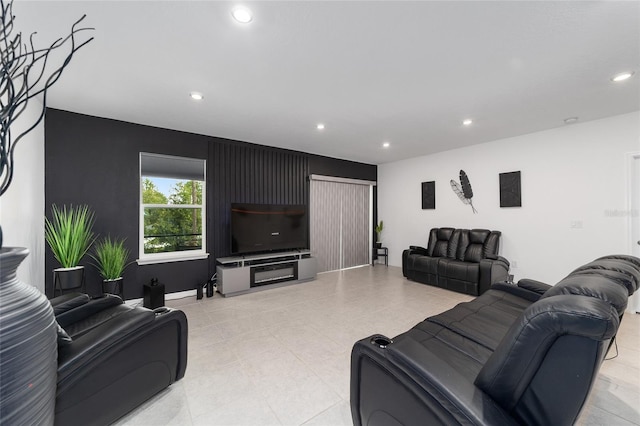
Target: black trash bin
pixel 153 294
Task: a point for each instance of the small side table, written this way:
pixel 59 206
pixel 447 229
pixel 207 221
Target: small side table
pixel 381 252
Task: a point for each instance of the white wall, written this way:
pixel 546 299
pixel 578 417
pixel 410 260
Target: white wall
pixel 22 206
pixel 576 173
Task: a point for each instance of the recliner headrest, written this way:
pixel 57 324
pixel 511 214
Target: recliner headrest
pixel 69 301
pixel 619 271
pixel 477 244
pixel 88 308
pixel 439 241
pixel 592 285
pixel 444 233
pixel 630 260
pixel 478 236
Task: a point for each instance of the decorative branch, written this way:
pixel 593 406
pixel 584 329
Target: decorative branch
pixel 22 78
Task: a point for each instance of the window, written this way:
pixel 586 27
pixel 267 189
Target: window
pixel 172 208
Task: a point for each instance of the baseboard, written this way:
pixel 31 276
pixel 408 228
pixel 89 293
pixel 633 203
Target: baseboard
pixel 346 269
pixel 134 302
pixel 180 294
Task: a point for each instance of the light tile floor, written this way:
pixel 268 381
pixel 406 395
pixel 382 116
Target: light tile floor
pixel 281 356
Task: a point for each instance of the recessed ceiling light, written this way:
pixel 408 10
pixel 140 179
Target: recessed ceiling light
pixel 467 122
pixel 196 96
pixel 570 120
pixel 242 15
pixel 622 76
pixel 320 126
pixel 386 145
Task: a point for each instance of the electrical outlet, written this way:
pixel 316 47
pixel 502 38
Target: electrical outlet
pixel 514 264
pixel 576 224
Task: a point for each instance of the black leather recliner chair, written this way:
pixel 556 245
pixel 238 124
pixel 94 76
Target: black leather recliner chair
pixel 461 260
pixel 520 354
pixel 112 357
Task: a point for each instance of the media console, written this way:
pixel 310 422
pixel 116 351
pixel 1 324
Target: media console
pixel 244 274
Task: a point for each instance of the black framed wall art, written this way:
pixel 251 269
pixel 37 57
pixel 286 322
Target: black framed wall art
pixel 510 189
pixel 429 195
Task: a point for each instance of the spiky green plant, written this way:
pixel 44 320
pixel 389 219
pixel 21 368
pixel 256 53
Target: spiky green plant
pixel 111 258
pixel 69 233
pixel 379 229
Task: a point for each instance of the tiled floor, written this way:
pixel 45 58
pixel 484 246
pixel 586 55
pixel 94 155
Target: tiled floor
pixel 281 356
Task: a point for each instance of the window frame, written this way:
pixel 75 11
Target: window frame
pixel 174 256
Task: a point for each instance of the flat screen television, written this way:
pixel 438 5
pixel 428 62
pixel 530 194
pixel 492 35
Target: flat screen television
pixel 259 228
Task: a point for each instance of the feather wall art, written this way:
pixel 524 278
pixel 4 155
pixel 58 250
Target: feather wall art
pixel 463 190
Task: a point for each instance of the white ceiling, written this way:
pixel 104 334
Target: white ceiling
pixel 402 72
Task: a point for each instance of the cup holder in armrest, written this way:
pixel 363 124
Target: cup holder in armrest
pixel 161 310
pixel 381 341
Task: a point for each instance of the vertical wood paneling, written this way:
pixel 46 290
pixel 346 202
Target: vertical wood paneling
pixel 250 174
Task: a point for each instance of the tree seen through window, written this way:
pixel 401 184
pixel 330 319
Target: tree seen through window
pixel 172 214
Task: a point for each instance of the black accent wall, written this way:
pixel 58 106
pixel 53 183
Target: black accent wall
pixel 95 161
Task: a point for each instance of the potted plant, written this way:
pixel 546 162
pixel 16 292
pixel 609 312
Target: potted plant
pixel 378 230
pixel 69 235
pixel 111 258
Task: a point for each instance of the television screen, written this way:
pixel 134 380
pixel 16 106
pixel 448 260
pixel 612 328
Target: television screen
pixel 268 227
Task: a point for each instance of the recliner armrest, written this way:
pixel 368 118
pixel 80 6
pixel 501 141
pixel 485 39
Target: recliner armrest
pixel 492 271
pixel 533 285
pixel 87 309
pixel 418 250
pixel 499 258
pixel 516 291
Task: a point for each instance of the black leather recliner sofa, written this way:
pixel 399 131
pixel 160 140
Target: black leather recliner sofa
pixel 113 357
pixel 524 354
pixel 461 260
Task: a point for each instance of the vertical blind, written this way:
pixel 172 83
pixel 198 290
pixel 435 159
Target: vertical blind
pixel 340 224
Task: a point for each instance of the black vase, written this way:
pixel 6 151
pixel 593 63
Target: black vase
pixel 28 348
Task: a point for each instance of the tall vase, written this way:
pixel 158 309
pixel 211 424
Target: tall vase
pixel 28 348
